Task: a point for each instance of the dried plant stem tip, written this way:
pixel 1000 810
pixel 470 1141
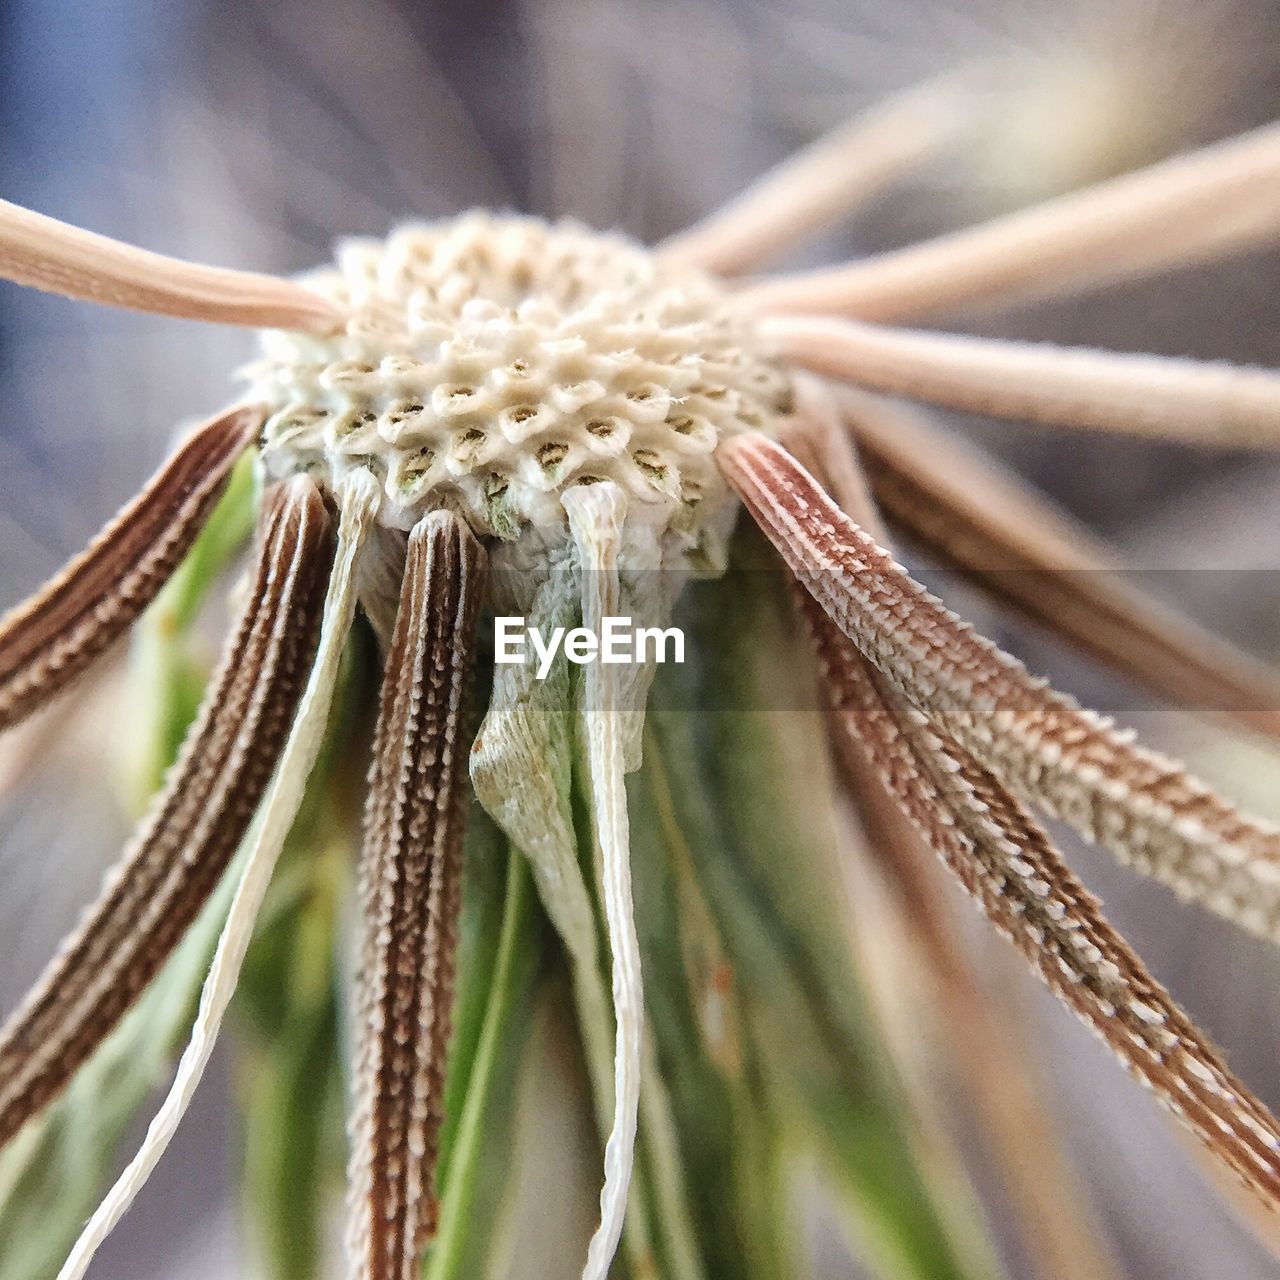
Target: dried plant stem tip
pixel 828 180
pixel 1160 396
pixel 47 254
pixel 1180 212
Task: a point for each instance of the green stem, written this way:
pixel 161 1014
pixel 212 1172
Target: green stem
pixel 450 1249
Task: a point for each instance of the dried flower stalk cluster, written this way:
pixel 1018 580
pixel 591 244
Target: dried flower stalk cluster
pixel 505 393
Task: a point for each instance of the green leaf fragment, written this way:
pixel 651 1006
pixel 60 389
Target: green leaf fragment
pixel 737 762
pixel 729 1141
pixel 493 1032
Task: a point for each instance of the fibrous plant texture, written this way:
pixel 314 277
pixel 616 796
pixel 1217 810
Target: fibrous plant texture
pixel 497 415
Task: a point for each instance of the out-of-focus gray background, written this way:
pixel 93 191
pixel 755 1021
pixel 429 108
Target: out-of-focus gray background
pixel 251 134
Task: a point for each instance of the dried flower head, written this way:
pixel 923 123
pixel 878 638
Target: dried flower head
pixel 489 364
pixel 496 412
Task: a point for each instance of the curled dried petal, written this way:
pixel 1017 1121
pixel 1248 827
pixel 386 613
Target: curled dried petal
pixel 595 519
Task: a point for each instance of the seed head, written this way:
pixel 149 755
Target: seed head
pixel 489 363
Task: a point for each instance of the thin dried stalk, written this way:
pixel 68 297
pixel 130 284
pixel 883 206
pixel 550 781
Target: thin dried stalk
pixel 974 516
pixel 47 254
pixel 410 895
pixel 1009 866
pixel 1072 764
pixel 826 181
pixel 175 862
pixel 595 520
pixel 1161 396
pixel 361 496
pixel 983 1032
pixel 980 1028
pixel 1186 210
pixel 50 639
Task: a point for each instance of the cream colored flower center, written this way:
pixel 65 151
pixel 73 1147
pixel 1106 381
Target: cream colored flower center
pixel 491 362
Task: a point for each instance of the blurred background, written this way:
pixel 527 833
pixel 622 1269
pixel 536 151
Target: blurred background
pixel 251 134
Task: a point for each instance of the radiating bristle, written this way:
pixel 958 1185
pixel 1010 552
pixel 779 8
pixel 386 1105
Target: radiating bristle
pixel 1068 762
pixel 972 515
pixel 827 181
pixel 1164 397
pixel 48 640
pixel 47 254
pixel 175 862
pixel 1005 861
pixel 409 890
pixel 1180 212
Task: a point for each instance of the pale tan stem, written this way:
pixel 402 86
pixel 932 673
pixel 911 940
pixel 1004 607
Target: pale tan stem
pixel 47 254
pixel 58 730
pixel 1180 212
pixel 825 182
pixel 1163 397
